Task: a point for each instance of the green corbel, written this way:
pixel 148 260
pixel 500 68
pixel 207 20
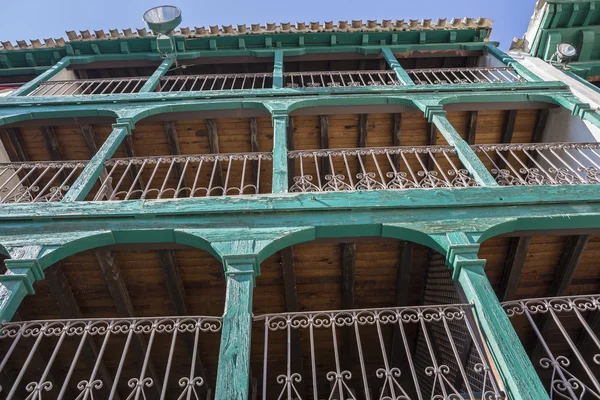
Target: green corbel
pixel 395 65
pixel 161 71
pixel 516 370
pixel 93 169
pixel 437 115
pixel 34 83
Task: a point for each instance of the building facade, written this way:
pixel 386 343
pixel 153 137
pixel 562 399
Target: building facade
pixel 378 210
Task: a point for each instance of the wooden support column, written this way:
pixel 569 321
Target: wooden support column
pixel 513 267
pixel 90 142
pixel 174 285
pixel 324 167
pixel 432 140
pixel 291 305
pixel 278 69
pixel 120 295
pixel 92 171
pixel 233 377
pixel 464 152
pixel 173 140
pixel 213 143
pixel 47 75
pixel 291 147
pixel 153 81
pixel 280 151
pixel 395 65
pixel 69 309
pixel 516 370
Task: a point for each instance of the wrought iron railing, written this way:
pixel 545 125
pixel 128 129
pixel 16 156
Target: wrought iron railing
pixel 542 163
pixel 378 168
pixel 83 87
pixel 193 83
pixel 340 78
pixel 103 358
pixel 171 177
pixel 445 76
pixel 37 182
pixel 350 355
pixel 566 330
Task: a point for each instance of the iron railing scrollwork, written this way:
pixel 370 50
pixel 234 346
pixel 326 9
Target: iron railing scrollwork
pixel 542 163
pixel 184 176
pixel 84 87
pixel 37 182
pixel 371 372
pixel 446 76
pixel 378 168
pixel 574 374
pixel 326 79
pixel 66 340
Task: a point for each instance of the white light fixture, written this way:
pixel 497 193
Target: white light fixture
pixel 564 53
pixel 163 20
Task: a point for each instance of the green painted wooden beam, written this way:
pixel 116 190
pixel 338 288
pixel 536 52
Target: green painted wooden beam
pixel 94 168
pixel 154 79
pixel 280 152
pixel 395 65
pixel 511 62
pixel 34 83
pixel 278 70
pixel 16 283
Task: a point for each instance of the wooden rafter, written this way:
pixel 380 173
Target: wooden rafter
pixel 133 170
pixel 173 140
pixel 13 143
pixel 567 265
pixel 291 305
pixel 176 291
pixel 471 127
pixel 324 135
pixel 254 147
pixel 213 142
pixel 363 132
pixel 396 133
pixel 348 256
pixel 49 135
pixel 513 267
pixel 508 128
pixel 69 309
pixel 120 295
pixel 540 125
pixel 398 354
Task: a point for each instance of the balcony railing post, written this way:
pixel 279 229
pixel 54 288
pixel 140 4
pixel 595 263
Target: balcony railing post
pixel 161 71
pixel 34 83
pixel 93 169
pixel 511 62
pixel 280 158
pixel 395 65
pixel 436 115
pixel 16 283
pixel 517 371
pixel 278 70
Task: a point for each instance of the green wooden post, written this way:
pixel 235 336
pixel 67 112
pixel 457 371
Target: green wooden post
pixel 154 79
pixel 516 370
pixel 16 283
pixel 280 156
pixel 84 183
pixel 467 156
pixel 34 83
pixel 278 70
pixel 511 62
pixel 395 65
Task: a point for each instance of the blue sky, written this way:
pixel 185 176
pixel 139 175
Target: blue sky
pixel 38 19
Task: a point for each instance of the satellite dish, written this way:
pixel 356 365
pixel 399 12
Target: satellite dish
pixel 163 19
